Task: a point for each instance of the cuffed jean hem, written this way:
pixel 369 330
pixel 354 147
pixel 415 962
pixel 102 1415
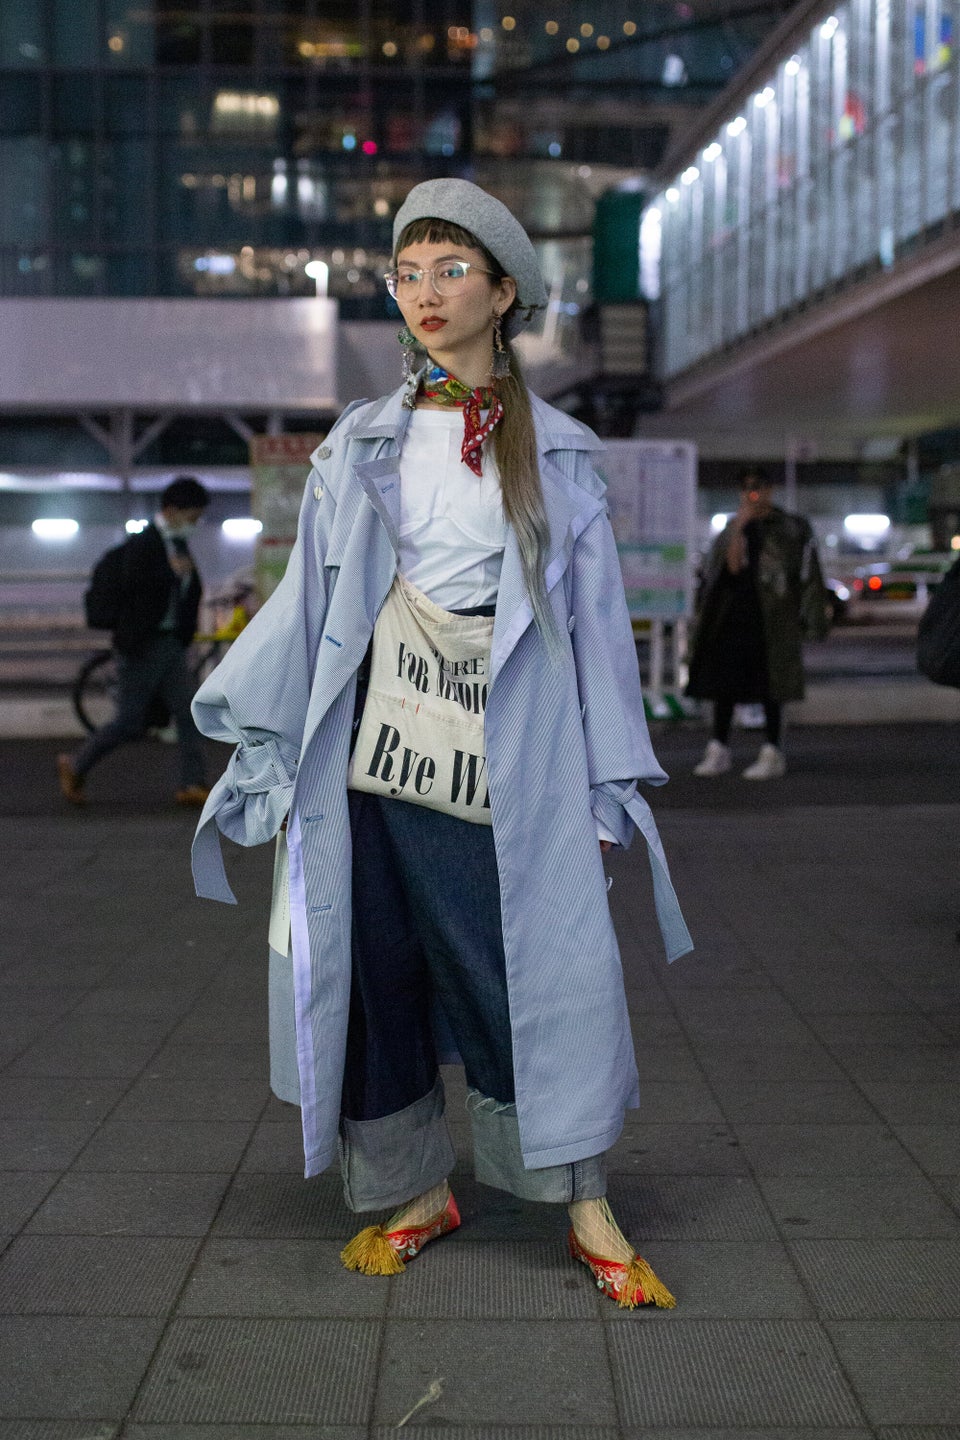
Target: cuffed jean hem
pixel 498 1159
pixel 388 1161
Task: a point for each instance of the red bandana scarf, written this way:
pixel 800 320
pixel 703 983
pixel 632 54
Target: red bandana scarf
pixel 444 389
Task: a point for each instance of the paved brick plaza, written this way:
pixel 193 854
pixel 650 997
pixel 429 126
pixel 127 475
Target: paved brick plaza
pixel 793 1173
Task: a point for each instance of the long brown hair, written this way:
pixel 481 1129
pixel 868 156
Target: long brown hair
pixel 514 438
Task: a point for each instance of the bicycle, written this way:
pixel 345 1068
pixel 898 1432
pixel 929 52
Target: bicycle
pixel 94 689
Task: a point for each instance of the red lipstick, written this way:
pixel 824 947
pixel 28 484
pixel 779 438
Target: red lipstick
pixel 432 322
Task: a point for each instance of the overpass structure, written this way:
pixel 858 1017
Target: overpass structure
pixel 805 241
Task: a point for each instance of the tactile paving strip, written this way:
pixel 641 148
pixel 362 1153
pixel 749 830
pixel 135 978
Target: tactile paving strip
pixel 294 1372
pixel 57 1430
pixel 690 1207
pixel 280 1206
pixel 882 1279
pixel 511 1281
pixel 501 1432
pixel 90 1275
pixel 713 1373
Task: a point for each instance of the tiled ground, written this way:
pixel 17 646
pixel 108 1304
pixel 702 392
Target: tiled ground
pixel 793 1173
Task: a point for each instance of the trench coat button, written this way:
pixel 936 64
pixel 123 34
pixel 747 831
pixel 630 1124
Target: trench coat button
pixel 324 452
pixel 318 492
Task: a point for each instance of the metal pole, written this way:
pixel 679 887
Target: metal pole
pixel 791 448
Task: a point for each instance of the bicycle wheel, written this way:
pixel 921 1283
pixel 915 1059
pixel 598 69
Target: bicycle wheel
pixel 95 689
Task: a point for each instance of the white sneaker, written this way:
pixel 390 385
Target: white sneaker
pixel 769 764
pixel 717 759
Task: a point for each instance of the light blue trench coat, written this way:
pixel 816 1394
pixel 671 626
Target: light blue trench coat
pixel 566 743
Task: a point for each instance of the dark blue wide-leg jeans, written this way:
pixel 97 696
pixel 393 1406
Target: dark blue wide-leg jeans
pixel 427 937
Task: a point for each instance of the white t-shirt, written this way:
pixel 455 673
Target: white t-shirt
pixel 452 526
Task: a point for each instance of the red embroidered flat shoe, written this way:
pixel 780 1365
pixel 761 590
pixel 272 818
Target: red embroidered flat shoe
pixel 630 1285
pixel 376 1251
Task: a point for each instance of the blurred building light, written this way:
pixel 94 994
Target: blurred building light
pixel 115 43
pixel 955 542
pixel 508 22
pixel 651 249
pixel 389 48
pixel 737 126
pixel 555 149
pixel 689 175
pixel 349 141
pixel 867 527
pixel 764 97
pixel 672 195
pixel 369 147
pixel 829 27
pixel 603 42
pixel 713 152
pixel 586 30
pixel 718 522
pixel 319 272
pixel 629 27
pixel 243 527
pixel 793 65
pixel 551 27
pixel 215 264
pixel 136 527
pixel 573 45
pixel 674 71
pixel 55 529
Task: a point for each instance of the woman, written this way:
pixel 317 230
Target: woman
pixel 762 595
pixel 447 785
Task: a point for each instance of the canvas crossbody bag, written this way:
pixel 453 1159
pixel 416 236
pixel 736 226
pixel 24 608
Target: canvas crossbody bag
pixel 421 734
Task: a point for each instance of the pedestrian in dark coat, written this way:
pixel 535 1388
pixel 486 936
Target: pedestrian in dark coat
pixel 157 601
pixel 761 596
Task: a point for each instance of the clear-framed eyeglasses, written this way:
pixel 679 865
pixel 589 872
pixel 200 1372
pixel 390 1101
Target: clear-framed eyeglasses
pixel 449 277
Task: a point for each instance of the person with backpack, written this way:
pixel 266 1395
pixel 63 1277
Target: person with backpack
pixel 147 592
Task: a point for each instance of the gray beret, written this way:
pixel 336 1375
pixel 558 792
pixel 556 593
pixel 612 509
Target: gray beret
pixel 489 220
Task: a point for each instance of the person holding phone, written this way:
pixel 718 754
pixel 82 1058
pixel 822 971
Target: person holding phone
pixel 761 596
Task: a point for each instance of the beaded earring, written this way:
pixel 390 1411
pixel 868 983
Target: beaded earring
pixel 500 367
pixel 408 342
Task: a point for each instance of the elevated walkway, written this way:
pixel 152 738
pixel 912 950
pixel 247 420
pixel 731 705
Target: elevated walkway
pixel 809 233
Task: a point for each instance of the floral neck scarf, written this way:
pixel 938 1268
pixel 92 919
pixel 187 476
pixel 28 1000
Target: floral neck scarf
pixel 444 389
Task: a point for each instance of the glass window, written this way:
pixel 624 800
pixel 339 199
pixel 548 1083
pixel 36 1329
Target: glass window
pixel 127 191
pixel 126 105
pixel 76 36
pixel 184 107
pixel 178 39
pixel 75 104
pixel 23 184
pixel 20 97
pixel 25 272
pixel 74 191
pixel 21 33
pixel 130 273
pixel 130 32
pixel 232 32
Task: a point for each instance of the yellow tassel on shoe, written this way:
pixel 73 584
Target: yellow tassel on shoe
pixel 640 1275
pixel 371 1253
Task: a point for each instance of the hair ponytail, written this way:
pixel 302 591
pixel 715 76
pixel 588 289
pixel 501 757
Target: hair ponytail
pixel 515 448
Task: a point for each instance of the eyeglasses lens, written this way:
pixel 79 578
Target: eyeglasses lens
pixel 447 279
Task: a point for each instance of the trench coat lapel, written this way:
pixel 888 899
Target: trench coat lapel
pixel 369 555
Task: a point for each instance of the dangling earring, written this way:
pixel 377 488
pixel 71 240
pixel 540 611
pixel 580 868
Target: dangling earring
pixel 500 367
pixel 408 342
